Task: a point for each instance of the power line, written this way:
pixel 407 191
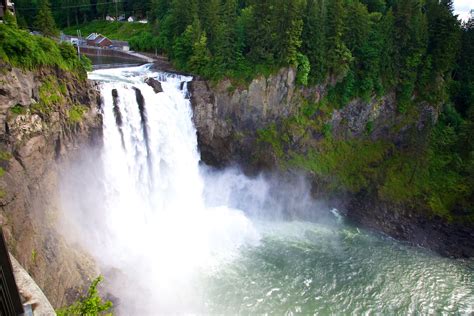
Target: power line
pixel 71 6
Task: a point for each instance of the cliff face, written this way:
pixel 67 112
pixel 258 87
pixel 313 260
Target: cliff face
pixel 230 120
pixel 45 115
pixel 227 118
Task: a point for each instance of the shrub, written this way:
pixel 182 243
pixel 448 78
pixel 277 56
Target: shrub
pixel 76 113
pixel 91 304
pixel 18 109
pixel 304 67
pixel 21 49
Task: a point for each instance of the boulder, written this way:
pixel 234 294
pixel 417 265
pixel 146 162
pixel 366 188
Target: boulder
pixel 155 84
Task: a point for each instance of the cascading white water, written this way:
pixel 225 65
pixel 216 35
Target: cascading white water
pixel 157 231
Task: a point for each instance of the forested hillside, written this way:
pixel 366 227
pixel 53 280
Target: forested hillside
pixel 364 47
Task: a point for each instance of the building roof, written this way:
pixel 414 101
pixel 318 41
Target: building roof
pixel 119 43
pixel 100 39
pixel 96 38
pixel 92 36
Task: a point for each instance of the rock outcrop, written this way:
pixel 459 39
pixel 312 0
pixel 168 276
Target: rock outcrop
pixel 155 84
pixel 227 118
pixel 45 116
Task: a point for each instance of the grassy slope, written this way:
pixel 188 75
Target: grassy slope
pixel 20 49
pixel 113 30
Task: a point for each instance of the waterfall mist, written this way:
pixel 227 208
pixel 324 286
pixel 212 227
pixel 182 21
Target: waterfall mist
pixel 154 219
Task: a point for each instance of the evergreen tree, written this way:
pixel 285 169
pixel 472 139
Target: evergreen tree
pixel 260 33
pixel 182 14
pixel 44 21
pixel 289 26
pixel 411 40
pixel 228 52
pixel 313 39
pixel 201 57
pixel 159 9
pixel 388 65
pixel 338 55
pixel 211 21
pixel 25 12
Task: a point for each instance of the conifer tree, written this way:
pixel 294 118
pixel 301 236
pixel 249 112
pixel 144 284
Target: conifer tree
pixel 44 21
pixel 338 55
pixel 261 32
pixel 313 38
pixel 211 22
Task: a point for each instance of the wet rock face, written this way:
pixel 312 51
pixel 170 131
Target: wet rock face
pixel 155 84
pixel 227 118
pixel 35 138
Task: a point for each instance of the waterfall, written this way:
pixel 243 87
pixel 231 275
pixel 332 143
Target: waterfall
pixel 157 232
pixel 170 237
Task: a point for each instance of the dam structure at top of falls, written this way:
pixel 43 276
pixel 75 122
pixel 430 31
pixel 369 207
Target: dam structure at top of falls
pixel 172 236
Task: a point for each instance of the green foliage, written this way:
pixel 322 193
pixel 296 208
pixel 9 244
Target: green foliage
pixel 113 30
pixel 91 304
pixel 369 127
pixel 358 49
pixel 49 96
pixel 20 49
pixel 200 58
pixel 34 255
pixel 44 21
pixel 76 113
pixel 434 171
pixel 346 165
pixel 18 109
pixel 5 156
pixel 367 47
pixel 9 19
pixel 327 130
pixel 304 68
pixel 271 136
pixel 137 34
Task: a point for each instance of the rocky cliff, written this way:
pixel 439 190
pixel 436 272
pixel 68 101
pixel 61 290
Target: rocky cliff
pixel 260 125
pixel 45 115
pixel 227 117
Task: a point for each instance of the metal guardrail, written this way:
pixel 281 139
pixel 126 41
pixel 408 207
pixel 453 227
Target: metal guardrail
pixel 10 301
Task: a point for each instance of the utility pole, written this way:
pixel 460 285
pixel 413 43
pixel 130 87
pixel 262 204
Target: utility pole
pixel 79 41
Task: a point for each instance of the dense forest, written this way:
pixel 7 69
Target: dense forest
pixel 365 47
pixel 416 49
